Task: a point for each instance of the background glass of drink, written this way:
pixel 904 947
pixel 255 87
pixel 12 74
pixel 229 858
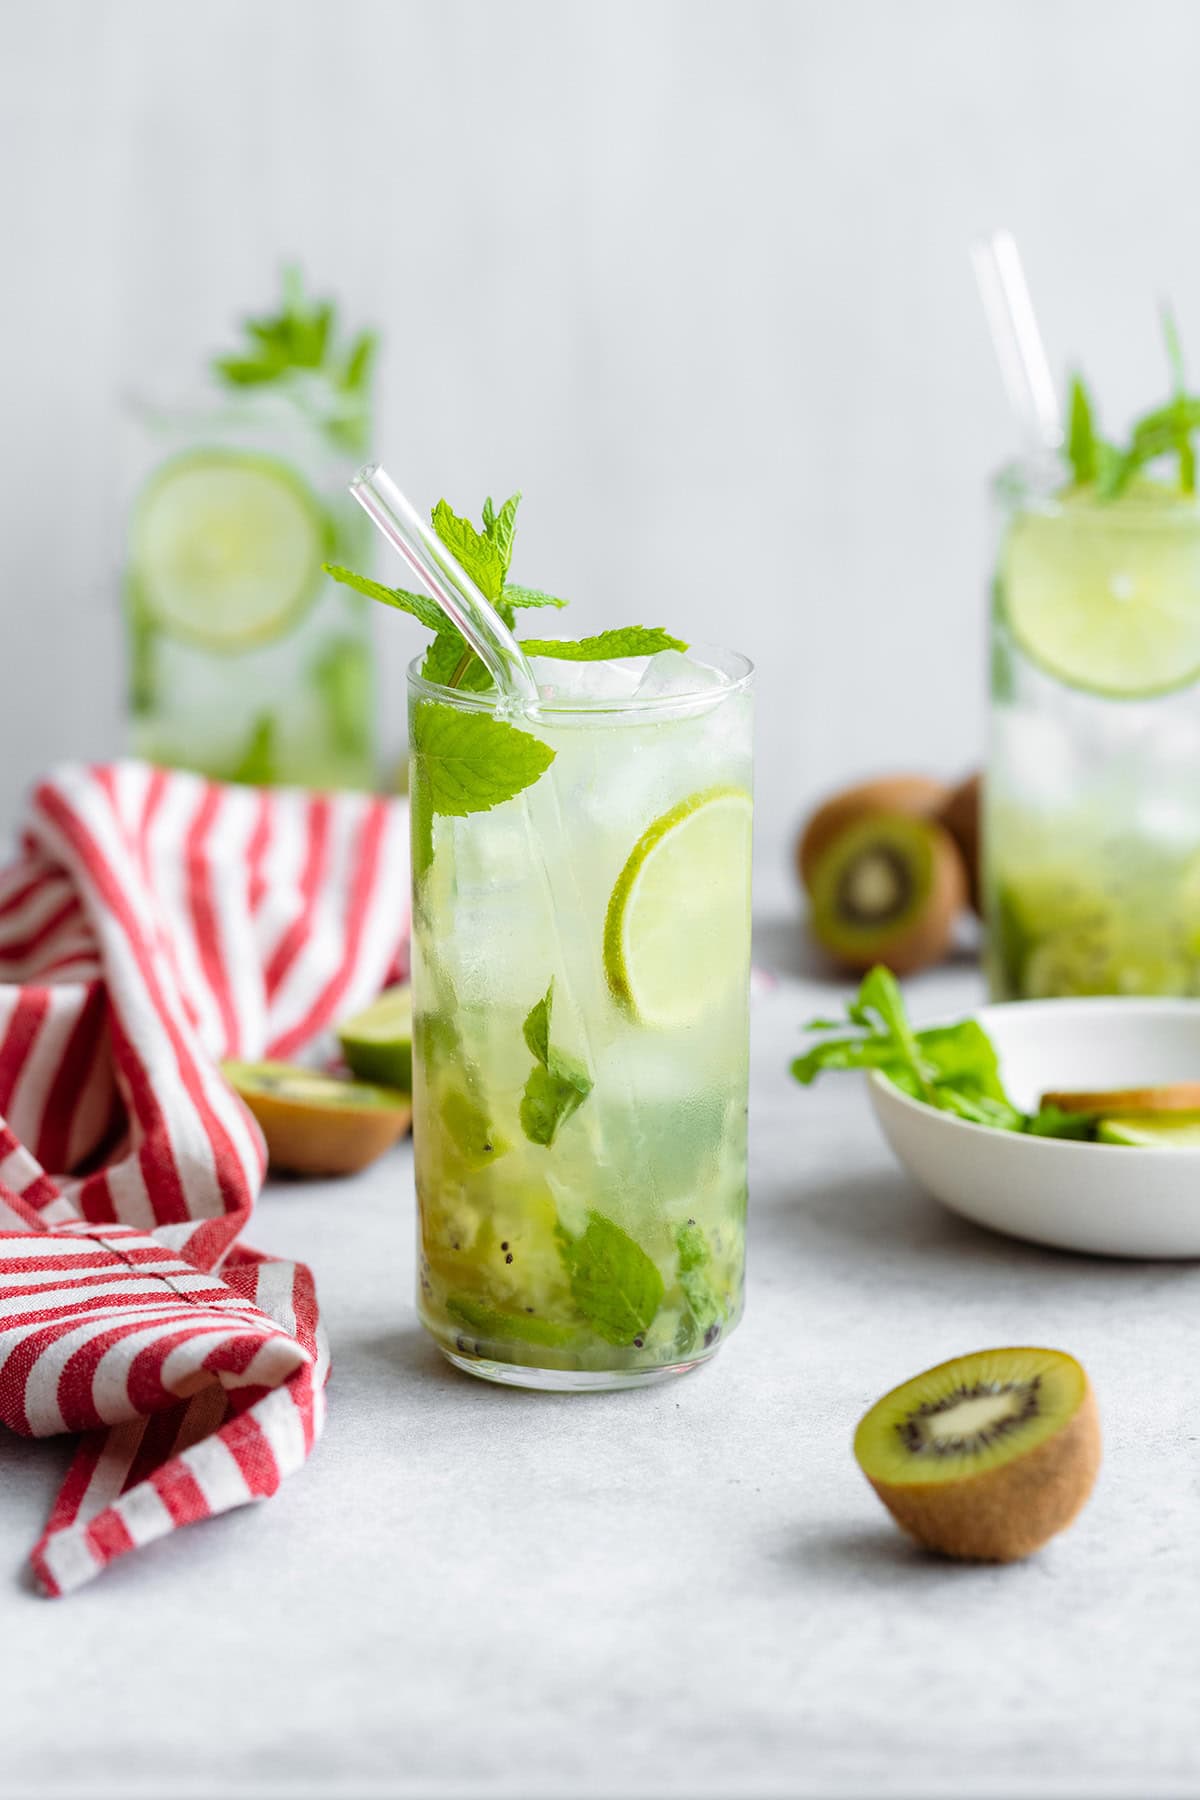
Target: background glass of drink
pixel 1092 823
pixel 580 970
pixel 246 662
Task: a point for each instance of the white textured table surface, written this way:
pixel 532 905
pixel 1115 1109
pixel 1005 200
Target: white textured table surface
pixel 684 1591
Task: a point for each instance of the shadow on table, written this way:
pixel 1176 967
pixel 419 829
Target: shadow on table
pixel 858 1552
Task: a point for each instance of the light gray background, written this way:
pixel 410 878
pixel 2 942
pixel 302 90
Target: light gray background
pixel 692 273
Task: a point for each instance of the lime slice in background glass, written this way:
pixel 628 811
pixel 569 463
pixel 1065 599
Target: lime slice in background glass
pixel 1180 1132
pixel 1106 597
pixel 226 548
pixel 677 931
pixel 377 1042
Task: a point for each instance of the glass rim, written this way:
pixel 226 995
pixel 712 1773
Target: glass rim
pixel 1042 484
pixel 737 670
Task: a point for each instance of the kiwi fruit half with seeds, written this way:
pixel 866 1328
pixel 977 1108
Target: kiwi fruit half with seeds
pixel 317 1124
pixel 888 889
pixel 905 796
pixel 985 1457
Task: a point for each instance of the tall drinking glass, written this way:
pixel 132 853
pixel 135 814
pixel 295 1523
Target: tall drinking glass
pixel 1092 812
pixel 580 974
pixel 246 662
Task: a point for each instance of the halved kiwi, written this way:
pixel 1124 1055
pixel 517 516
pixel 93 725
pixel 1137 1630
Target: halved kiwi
pixel 887 890
pixel 987 1456
pixel 1175 1097
pixel 908 796
pixel 960 814
pixel 316 1124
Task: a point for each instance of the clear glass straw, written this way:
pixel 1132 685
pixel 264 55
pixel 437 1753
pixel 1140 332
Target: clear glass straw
pixel 447 581
pixel 1020 349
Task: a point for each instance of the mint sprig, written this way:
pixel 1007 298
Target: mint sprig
pixel 302 339
pixel 615 1285
pixel 485 553
pixel 557 1086
pixel 1163 431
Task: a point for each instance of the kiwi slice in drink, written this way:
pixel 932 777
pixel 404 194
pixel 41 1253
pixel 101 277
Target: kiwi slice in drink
pixel 888 889
pixel 986 1456
pixel 316 1124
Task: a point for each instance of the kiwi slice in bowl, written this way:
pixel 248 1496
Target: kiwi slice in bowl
pixel 317 1124
pixel 985 1457
pixel 888 890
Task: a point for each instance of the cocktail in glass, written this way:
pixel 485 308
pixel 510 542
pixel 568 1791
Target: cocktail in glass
pixel 580 974
pixel 1092 812
pixel 246 662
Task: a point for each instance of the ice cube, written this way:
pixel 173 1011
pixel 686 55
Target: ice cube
pixel 671 672
pixel 590 680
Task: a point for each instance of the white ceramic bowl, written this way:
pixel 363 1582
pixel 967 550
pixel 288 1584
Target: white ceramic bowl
pixel 1112 1200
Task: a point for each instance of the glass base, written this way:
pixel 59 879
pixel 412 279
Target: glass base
pixel 570 1381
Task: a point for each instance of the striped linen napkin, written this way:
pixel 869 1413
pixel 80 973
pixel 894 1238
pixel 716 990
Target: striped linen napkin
pixel 155 923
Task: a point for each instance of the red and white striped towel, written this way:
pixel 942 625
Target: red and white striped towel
pixel 155 923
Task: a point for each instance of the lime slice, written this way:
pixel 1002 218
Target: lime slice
pixel 677 931
pixel 1107 598
pixel 226 548
pixel 1180 1131
pixel 377 1042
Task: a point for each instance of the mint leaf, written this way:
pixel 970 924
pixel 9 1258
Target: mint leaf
pixel 477 553
pixel 500 527
pixel 419 605
pixel 625 640
pixel 557 1086
pixel 616 1286
pixel 356 374
pixel 1081 435
pixel 527 596
pixel 536 1029
pixel 472 761
pixel 258 765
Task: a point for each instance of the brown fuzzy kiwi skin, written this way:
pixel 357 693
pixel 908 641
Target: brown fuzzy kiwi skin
pixel 926 937
pixel 324 1140
pixel 1008 1512
pixel 914 796
pixel 961 817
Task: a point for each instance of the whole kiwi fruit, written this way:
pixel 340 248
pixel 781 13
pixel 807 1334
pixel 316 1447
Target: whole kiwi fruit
pixel 960 813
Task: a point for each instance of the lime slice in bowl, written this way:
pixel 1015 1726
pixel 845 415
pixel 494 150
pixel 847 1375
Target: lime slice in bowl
pixel 377 1042
pixel 677 930
pixel 1163 1131
pixel 1106 597
pixel 226 548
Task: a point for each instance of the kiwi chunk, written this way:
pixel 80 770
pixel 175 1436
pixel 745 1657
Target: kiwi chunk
pixel 316 1124
pixel 1174 1097
pixel 888 890
pixel 906 796
pixel 985 1457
